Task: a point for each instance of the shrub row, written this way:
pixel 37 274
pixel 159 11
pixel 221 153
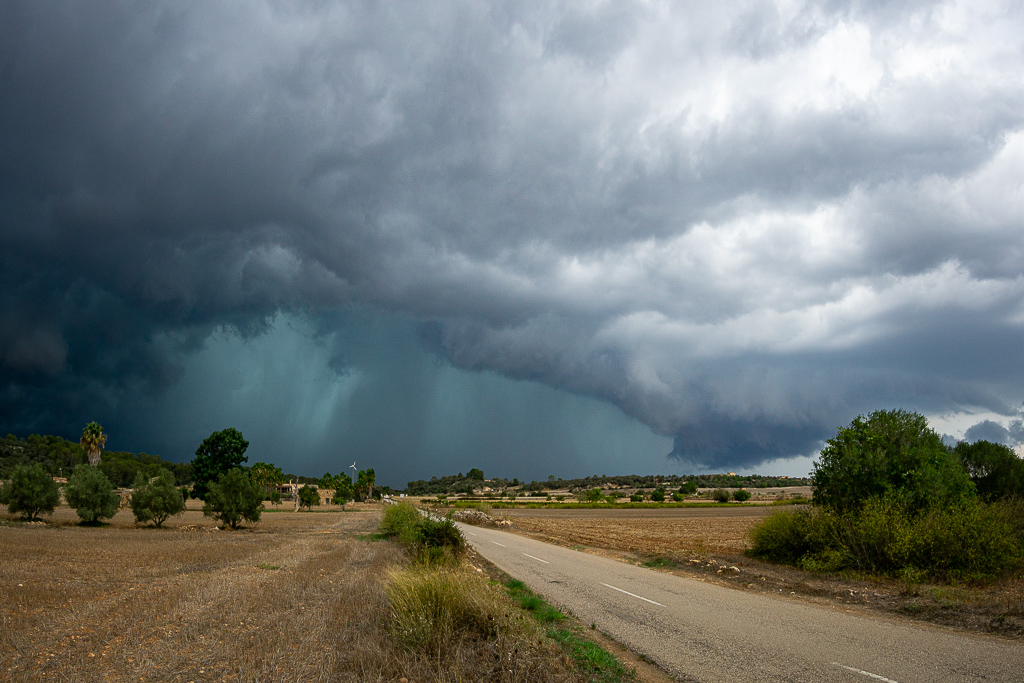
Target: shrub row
pixel 431 539
pixel 969 541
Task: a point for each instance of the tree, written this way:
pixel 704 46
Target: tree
pixel 475 474
pixel 995 469
pixel 721 495
pixel 889 453
pixel 266 475
pixel 658 496
pixel 343 492
pixel 155 499
pixel 741 496
pixel 30 492
pixel 365 481
pixel 93 440
pixel 308 497
pixel 217 454
pixel 689 488
pixel 91 494
pixel 590 496
pixel 234 497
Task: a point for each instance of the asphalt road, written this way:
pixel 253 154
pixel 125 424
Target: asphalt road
pixel 700 631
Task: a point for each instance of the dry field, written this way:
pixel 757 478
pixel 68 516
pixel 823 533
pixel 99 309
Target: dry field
pixel 672 532
pixel 297 597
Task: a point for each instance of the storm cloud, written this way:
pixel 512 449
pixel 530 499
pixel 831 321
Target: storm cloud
pixel 739 226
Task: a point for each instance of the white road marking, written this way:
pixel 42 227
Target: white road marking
pixel 634 595
pixel 496 543
pixel 471 533
pixel 536 558
pixel 865 673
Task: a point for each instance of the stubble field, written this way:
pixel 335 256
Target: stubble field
pixel 297 597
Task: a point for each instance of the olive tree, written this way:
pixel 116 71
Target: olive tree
pixel 217 454
pixel 308 497
pixel 30 492
pixel 155 499
pixel 91 494
pixel 234 497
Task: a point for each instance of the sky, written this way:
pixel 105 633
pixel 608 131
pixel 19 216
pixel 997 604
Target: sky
pixel 531 237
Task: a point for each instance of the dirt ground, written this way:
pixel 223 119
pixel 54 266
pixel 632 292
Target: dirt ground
pixel 708 543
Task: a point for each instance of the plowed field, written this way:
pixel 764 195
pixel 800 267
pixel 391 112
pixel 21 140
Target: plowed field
pixel 668 531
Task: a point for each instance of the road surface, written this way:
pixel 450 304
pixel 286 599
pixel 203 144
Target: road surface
pixel 700 631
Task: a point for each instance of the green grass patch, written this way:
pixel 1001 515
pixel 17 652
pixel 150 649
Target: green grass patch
pixel 589 657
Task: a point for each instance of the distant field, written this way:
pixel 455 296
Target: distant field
pixel 654 531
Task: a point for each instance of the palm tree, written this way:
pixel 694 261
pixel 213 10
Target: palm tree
pixel 93 439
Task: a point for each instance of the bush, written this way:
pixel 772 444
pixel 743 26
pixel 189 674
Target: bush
pixel 433 541
pixel 233 498
pixel 689 488
pixel 593 495
pixel 308 497
pixel 30 492
pixel 721 495
pixel 156 499
pixel 972 541
pixel 889 453
pixel 678 497
pixel 658 496
pixel 400 522
pixel 91 494
pixel 741 495
pixel 636 498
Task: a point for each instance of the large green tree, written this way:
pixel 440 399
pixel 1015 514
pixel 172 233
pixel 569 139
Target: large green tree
pixel 996 470
pixel 91 494
pixel 308 497
pixel 889 454
pixel 343 491
pixel 156 498
pixel 218 453
pixel 365 482
pixel 234 497
pixel 93 440
pixel 31 491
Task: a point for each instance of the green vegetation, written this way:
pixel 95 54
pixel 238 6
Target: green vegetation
pixel 217 454
pixel 995 469
pixel 91 494
pixel 308 497
pixel 890 453
pixel 741 496
pixel 589 657
pixel 433 541
pixel 721 495
pixel 58 458
pixel 234 497
pixel 156 499
pixel 891 499
pixel 30 492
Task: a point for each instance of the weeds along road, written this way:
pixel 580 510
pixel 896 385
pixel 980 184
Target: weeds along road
pixel 698 631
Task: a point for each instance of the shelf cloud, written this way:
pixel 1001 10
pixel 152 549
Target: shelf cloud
pixel 740 226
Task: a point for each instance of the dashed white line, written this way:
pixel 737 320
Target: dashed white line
pixel 536 558
pixel 632 595
pixel 865 673
pixel 471 533
pixel 496 543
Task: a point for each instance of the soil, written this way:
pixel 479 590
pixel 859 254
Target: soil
pixel 708 544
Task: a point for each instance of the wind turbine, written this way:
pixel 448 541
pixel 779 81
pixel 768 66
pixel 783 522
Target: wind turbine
pixel 353 468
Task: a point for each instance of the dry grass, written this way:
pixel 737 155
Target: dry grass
pixel 298 597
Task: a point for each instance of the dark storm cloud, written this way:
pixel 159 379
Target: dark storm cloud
pixel 740 226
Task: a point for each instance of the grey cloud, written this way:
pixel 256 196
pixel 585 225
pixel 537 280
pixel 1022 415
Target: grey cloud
pixel 671 210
